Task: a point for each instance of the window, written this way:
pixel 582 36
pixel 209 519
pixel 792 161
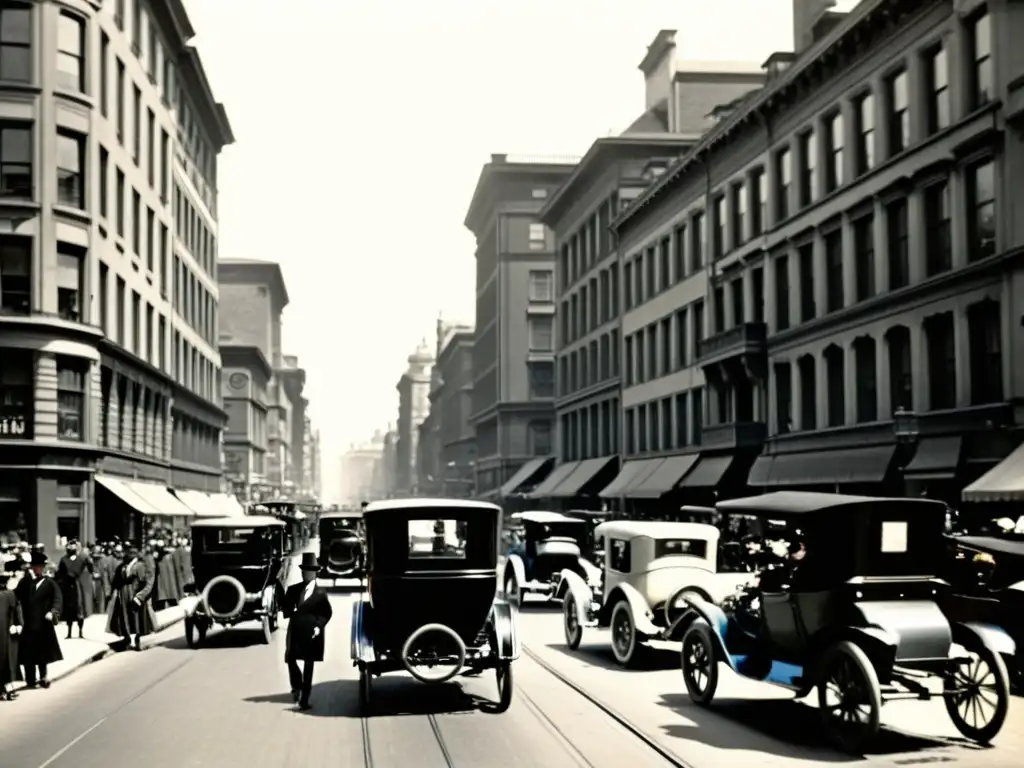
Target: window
pixel 161 344
pixel 104 182
pixel 834 299
pixel 630 432
pixel 618 558
pixel 697 320
pixel 136 223
pixel 808 148
pixel 136 26
pixel 665 262
pixel 867 379
pixel 149 333
pixel 630 362
pixel 899 113
pixel 718 304
pixel 784 397
pixel 119 14
pixel 781 293
pixel 17 395
pixel 162 275
pixel 937 74
pixel 136 124
pixel 164 153
pixel 682 357
pixel 666 346
pixel 71 52
pixel 834 152
pixel 865 133
pixel 682 421
pixel 120 203
pixel 697 414
pixel 136 324
pixel 679 252
pixel 982 86
pixel 864 255
pixel 154 47
pixel 759 217
pixel 150 233
pixel 540 438
pixel 70 169
pixel 542 334
pixel 151 148
pixel 718 243
pixel 739 214
pixel 70 287
pixel 541 380
pixel 808 307
pixel 15 160
pixel 784 169
pixel 899 244
pixel 542 286
pixel 641 428
pixel 538 237
pixel 757 294
pixel 835 371
pixel 104 298
pixel 981 201
pixel 15 276
pixel 697 233
pixel 739 310
pixel 808 393
pixel 71 380
pixel 120 100
pixel 16 43
pixel 120 311
pixel 941 346
pixel 937 228
pixel 986 356
pixel 901 372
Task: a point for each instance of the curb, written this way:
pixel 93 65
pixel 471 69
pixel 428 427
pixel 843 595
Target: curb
pixel 97 656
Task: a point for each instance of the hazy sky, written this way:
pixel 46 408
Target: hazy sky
pixel 361 127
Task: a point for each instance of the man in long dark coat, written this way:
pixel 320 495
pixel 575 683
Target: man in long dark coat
pixel 40 599
pixel 10 631
pixel 75 576
pixel 130 613
pixel 112 558
pixel 168 591
pixel 309 609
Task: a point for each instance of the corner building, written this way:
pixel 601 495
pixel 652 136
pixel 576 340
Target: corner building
pixel 857 323
pixel 109 135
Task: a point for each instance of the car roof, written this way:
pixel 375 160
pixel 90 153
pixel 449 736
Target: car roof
pixel 347 515
pixel 808 502
pixel 543 516
pixel 991 544
pixel 654 529
pixel 249 521
pixel 402 505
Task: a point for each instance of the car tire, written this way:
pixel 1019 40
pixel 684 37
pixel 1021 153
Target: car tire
pixel 513 594
pixel 265 635
pixel 192 635
pixel 846 663
pixel 699 663
pixel 624 635
pixel 365 691
pixel 1000 688
pixel 506 686
pixel 571 622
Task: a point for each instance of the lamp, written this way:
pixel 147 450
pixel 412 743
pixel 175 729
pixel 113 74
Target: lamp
pixel 905 426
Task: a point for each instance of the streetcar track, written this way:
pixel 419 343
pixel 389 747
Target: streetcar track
pixel 364 727
pixel 436 728
pixel 549 725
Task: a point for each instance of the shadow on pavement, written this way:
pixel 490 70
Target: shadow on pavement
pixel 793 725
pixel 227 637
pixel 648 660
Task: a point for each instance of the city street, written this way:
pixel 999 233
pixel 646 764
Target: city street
pixel 227 704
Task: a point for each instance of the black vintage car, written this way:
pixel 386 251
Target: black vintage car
pixel 431 610
pixel 539 546
pixel 341 545
pixel 240 570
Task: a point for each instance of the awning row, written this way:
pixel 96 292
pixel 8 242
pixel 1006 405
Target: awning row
pixel 160 501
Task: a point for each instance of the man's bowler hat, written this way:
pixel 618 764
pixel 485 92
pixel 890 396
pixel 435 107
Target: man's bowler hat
pixel 309 562
pixel 39 558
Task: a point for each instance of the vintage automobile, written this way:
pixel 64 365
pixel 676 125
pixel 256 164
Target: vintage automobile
pixel 432 611
pixel 542 545
pixel 341 545
pixel 239 570
pixel 649 568
pixel 854 612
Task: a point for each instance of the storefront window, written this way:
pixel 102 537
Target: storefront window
pixel 13 517
pixel 16 394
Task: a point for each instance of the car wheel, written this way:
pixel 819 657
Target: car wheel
pixel 849 698
pixel 273 617
pixel 700 667
pixel 503 676
pixel 571 622
pixel 977 694
pixel 624 639
pixel 512 592
pixel 265 629
pixel 365 691
pixel 192 638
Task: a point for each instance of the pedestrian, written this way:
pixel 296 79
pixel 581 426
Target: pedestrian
pixel 75 574
pixel 40 599
pixel 130 613
pixel 112 557
pixel 10 631
pixel 309 610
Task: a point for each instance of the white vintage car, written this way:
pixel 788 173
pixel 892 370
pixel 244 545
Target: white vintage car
pixel 541 546
pixel 649 567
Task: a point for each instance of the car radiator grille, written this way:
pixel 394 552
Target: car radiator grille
pixel 223 597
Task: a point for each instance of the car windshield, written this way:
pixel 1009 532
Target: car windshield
pixel 436 539
pixel 250 541
pixel 335 524
pixel 566 530
pixel 687 547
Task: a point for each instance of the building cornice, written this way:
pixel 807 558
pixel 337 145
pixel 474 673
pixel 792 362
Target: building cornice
pixel 245 356
pixel 480 205
pixel 242 272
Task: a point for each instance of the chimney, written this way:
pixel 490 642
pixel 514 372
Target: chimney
pixel 806 15
pixel 658 67
pixel 499 158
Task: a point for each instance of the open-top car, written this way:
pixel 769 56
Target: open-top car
pixel 541 545
pixel 341 545
pixel 431 607
pixel 649 567
pixel 854 612
pixel 239 571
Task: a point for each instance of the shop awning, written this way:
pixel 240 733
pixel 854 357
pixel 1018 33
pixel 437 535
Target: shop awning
pixel 528 475
pixel 664 478
pixel 1004 482
pixel 228 505
pixel 160 498
pixel 121 490
pixel 837 467
pixel 937 458
pixel 708 473
pixel 200 503
pixel 631 472
pixel 581 477
pixel 552 481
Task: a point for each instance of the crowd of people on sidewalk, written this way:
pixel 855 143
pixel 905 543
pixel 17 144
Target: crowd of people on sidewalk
pixel 126 582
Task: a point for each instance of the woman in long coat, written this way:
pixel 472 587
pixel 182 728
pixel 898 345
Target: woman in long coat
pixel 10 629
pixel 75 576
pixel 130 613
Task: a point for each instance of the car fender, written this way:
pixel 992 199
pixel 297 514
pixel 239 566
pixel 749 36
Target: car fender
pixel 515 562
pixel 362 642
pixel 637 605
pixel 591 572
pixel 572 583
pixel 705 612
pixel 269 593
pixel 995 638
pixel 503 619
pixel 880 645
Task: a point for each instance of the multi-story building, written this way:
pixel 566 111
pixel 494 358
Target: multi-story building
pixel 413 406
pixel 293 381
pixel 384 486
pixel 110 369
pixel 361 471
pixel 247 376
pixel 513 349
pixel 850 308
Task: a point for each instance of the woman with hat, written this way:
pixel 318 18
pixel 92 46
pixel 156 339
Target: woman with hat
pixel 309 609
pixel 10 630
pixel 41 604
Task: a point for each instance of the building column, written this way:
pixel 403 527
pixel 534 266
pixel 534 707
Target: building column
pixel 44 422
pixel 883 374
pixel 958 217
pixel 748 295
pixel 769 292
pixel 850 378
pixel 793 262
pixel 771 417
pixel 916 93
pixel 820 276
pixel 798 396
pixel 919 367
pixel 849 262
pixel 958 48
pixel 962 349
pixel 113 413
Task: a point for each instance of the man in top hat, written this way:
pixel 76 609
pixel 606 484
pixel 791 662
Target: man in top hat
pixel 309 609
pixel 41 604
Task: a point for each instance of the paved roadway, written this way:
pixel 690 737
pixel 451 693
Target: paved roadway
pixel 228 705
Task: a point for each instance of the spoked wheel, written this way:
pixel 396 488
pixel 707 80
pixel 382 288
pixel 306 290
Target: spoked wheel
pixel 700 667
pixel 624 637
pixel 365 691
pixel 265 629
pixel 977 695
pixel 850 698
pixel 503 676
pixel 512 592
pixel 571 622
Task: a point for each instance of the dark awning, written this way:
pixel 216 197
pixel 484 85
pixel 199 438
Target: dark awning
pixel 552 481
pixel 837 467
pixel 629 474
pixel 664 478
pixel 937 458
pixel 708 473
pixel 583 474
pixel 1004 482
pixel 528 475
